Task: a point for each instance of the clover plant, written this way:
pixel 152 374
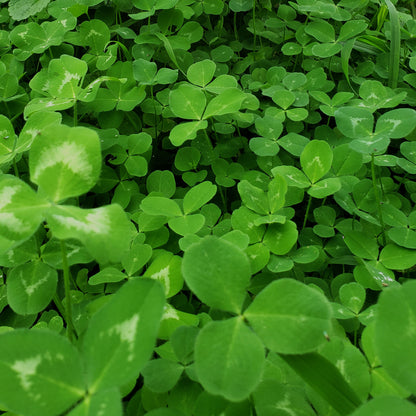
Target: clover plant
pixel 207 207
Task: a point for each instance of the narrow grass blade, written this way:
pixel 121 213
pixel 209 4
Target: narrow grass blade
pixel 169 49
pixel 345 59
pixel 394 45
pixel 326 380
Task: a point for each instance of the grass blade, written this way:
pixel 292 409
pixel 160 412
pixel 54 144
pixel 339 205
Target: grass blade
pixel 326 380
pixel 345 59
pixel 394 45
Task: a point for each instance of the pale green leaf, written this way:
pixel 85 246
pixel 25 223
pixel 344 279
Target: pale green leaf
pixel 121 335
pixel 233 378
pixel 290 317
pixel 36 364
pixel 65 161
pixel 217 272
pixel 103 231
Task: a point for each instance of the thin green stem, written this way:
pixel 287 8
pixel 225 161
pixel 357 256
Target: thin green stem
pixel 223 198
pixel 67 287
pixel 208 139
pixel 132 122
pixel 308 207
pixel 154 110
pixel 60 307
pixel 15 169
pixel 254 26
pixel 394 45
pixel 377 197
pixel 75 114
pixel 235 27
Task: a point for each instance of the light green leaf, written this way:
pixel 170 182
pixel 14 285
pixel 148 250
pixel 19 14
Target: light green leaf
pixel 397 124
pixel 107 275
pixel 138 255
pixel 269 127
pixel 65 161
pixel 386 406
pixel 222 83
pixel 201 73
pixel 276 194
pixel 253 198
pixel 403 236
pixel 187 102
pixel 316 159
pixel 22 9
pixel 361 245
pixel 279 398
pixel 352 295
pixel 241 5
pixel 354 122
pixel 34 126
pixel 217 272
pixel 161 181
pixel 346 160
pixel 30 287
pixel 189 224
pixel 293 176
pixel 96 34
pixel 121 335
pixel 166 268
pixel 321 30
pixel 233 378
pixel 21 211
pixel 397 258
pixel 305 254
pixel 290 317
pixel 395 334
pixel 351 29
pixel 259 256
pixel 213 7
pixel 324 188
pixel 297 114
pixel 103 403
pixel 229 101
pixel 65 76
pixel 284 98
pixel 8 139
pixel 263 147
pixel 161 375
pixel 280 238
pixel 326 50
pixel 136 165
pixel 373 275
pixel 198 196
pixel 159 205
pixel 36 364
pixel 144 71
pixel 103 231
pixel 186 131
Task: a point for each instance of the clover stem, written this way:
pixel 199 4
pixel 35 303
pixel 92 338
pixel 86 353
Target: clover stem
pixel 254 26
pixel 75 114
pixel 377 197
pixel 16 170
pixel 235 27
pixel 305 219
pixel 68 303
pixel 154 110
pixel 224 201
pixel 59 306
pixel 208 139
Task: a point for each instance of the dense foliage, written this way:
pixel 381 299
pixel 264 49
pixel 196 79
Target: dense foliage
pixel 207 207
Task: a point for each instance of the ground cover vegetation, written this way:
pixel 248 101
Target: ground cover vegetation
pixel 207 207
